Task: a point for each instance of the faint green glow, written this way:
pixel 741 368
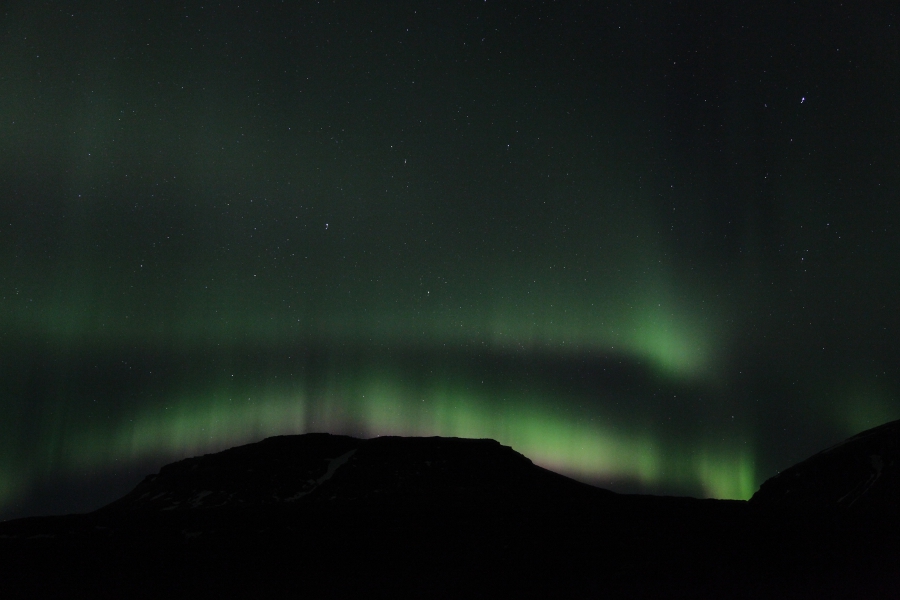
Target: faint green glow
pixel 867 406
pixel 11 485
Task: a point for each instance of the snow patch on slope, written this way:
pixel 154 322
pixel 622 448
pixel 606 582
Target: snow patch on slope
pixel 197 500
pixel 333 465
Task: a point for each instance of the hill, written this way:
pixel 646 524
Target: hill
pixel 321 515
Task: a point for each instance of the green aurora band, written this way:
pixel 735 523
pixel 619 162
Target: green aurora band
pixel 557 426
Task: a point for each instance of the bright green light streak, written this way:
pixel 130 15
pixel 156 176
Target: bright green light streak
pixel 725 474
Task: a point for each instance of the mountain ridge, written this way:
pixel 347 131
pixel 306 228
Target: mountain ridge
pixel 337 516
pixel 321 467
pixel 857 477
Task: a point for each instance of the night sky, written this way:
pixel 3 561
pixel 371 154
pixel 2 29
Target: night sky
pixel 651 245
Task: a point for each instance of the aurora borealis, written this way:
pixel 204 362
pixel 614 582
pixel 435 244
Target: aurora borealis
pixel 653 247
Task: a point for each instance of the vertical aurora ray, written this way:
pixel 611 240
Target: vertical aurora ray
pixel 865 403
pixel 11 484
pixel 194 424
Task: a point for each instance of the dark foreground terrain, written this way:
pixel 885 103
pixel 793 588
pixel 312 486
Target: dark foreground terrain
pixel 317 515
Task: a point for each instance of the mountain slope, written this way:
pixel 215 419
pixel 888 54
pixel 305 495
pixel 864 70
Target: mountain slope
pixel 858 477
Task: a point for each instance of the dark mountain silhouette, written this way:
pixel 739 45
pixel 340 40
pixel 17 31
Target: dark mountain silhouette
pixel 321 515
pixel 856 478
pixel 312 469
